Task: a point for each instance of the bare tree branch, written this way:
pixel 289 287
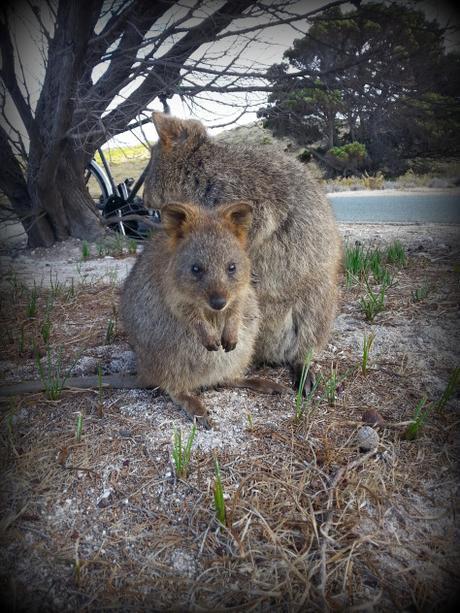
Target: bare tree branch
pixel 8 76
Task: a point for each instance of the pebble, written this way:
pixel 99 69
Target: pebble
pixel 367 439
pixel 371 417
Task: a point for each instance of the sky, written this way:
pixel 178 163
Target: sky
pixel 219 114
pixel 273 43
pixel 223 108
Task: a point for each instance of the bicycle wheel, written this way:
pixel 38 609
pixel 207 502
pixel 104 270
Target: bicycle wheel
pixel 98 184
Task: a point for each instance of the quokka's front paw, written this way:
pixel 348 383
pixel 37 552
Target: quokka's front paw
pixel 228 342
pixel 212 343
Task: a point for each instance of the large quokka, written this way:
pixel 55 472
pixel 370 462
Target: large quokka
pixel 293 242
pixel 188 306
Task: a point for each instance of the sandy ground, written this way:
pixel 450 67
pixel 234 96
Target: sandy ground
pixel 313 524
pixel 63 262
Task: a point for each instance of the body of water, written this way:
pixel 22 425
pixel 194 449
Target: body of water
pixel 397 208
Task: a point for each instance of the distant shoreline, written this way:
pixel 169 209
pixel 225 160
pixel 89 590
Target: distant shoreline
pixel 409 191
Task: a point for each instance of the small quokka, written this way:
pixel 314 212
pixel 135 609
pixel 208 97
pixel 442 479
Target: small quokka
pixel 188 306
pixel 293 242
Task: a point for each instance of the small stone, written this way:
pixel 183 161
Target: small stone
pixel 367 439
pixel 371 417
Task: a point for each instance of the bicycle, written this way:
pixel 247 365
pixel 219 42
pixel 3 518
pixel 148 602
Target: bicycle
pixel 122 209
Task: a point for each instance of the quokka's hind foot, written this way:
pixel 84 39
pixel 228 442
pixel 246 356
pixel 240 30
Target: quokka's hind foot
pixel 194 409
pixel 264 386
pixel 308 384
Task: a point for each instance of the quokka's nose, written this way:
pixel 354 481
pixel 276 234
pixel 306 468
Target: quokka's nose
pixel 217 302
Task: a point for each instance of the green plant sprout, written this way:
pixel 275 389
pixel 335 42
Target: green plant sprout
pixel 219 503
pixel 53 378
pixel 396 255
pixel 420 293
pixel 299 398
pixel 373 303
pixel 32 305
pixel 450 389
pixel 85 251
pixel 415 427
pixel 181 453
pixel 367 345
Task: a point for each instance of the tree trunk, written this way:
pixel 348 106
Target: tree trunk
pixel 65 200
pixel 50 208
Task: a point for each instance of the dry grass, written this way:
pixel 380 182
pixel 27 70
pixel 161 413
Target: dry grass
pixel 312 523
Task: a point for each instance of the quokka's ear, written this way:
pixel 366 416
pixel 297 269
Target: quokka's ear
pixel 237 217
pixel 177 219
pixel 173 131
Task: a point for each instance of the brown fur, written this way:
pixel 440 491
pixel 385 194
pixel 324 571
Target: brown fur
pixel 170 303
pixel 293 241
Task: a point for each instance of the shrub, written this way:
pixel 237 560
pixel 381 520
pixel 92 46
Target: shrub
pixel 349 157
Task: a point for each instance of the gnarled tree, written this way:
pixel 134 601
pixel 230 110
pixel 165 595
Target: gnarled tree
pixel 104 63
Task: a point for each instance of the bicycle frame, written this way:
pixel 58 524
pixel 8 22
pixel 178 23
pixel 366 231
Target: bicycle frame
pixel 128 197
pixel 123 197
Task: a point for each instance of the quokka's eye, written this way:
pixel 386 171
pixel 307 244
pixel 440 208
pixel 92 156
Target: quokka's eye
pixel 231 268
pixel 196 269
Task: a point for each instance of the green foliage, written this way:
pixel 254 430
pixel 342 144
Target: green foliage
pixel 85 251
pixel 330 386
pixel 347 154
pixel 132 247
pixel 396 254
pixel 305 156
pixel 451 388
pixel 390 89
pixel 45 329
pixel 367 346
pixel 181 453
pixel 219 502
pixel 373 303
pixel 356 263
pixel 420 293
pixel 111 329
pixel 110 332
pixel 32 304
pixel 53 375
pixel 361 262
pixel 299 398
pixel 414 429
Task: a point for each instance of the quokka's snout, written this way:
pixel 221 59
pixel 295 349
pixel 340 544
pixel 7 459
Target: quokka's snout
pixel 217 302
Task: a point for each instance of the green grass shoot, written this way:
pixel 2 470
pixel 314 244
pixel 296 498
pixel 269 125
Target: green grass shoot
pixel 110 332
pixel 299 398
pixel 367 346
pixel 396 254
pixel 451 388
pixel 356 263
pixel 85 251
pixel 132 246
pixel 45 329
pixel 330 387
pixel 181 453
pixel 374 302
pixel 32 304
pixel 414 429
pixel 53 376
pixel 420 293
pixel 219 503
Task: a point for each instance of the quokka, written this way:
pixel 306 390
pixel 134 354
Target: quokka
pixel 293 242
pixel 188 306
